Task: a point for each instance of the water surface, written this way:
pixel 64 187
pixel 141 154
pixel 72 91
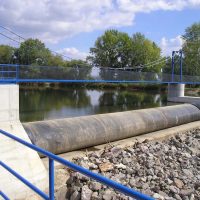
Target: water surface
pixel 46 104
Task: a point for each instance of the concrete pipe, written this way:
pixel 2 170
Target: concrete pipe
pixel 64 135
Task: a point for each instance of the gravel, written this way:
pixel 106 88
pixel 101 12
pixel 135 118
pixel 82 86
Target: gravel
pixel 167 169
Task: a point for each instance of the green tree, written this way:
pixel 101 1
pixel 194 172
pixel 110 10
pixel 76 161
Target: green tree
pixel 168 65
pixel 145 51
pixel 76 63
pixel 7 54
pixel 191 50
pixel 33 51
pixel 116 49
pixel 55 60
pixel 112 49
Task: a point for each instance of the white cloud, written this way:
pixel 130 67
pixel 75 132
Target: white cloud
pixel 73 53
pixel 54 20
pixel 169 45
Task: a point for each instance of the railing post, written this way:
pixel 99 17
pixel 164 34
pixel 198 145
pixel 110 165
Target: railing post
pixel 181 64
pixel 17 73
pixel 51 179
pixel 172 64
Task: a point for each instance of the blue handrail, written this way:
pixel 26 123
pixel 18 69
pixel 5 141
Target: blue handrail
pixel 3 195
pixel 9 73
pixel 16 73
pixel 52 157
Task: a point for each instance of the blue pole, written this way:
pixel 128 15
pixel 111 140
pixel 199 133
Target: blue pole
pixel 181 64
pixel 172 64
pixel 17 73
pixel 51 179
pixel 4 196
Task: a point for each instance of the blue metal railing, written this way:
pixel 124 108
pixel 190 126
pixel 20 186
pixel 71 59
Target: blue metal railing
pixel 13 73
pixel 3 195
pixel 52 157
pixel 9 72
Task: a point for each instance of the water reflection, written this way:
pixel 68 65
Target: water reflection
pixel 51 104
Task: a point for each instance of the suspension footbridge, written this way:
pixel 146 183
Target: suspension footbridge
pixel 28 167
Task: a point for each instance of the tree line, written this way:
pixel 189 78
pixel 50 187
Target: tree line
pixel 34 52
pixel 113 49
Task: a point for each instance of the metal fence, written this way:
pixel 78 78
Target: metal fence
pixel 48 74
pixel 8 72
pixel 52 157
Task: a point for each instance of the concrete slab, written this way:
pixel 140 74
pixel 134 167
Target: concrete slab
pixel 20 158
pixel 185 99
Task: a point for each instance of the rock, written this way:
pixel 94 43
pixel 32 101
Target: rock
pixel 130 170
pixel 82 177
pixel 116 151
pixel 163 170
pixel 95 196
pixel 187 172
pixel 177 197
pixel 174 189
pixel 70 180
pixel 75 196
pixel 192 197
pixel 95 186
pixel 158 196
pixel 163 194
pixel 144 179
pixel 132 182
pixel 86 193
pixel 61 193
pixel 186 192
pixel 150 172
pixel 92 166
pixel 84 164
pixel 144 149
pixel 120 166
pixel 108 195
pixel 178 183
pixel 169 181
pixel 105 167
pixel 197 185
pixel 126 161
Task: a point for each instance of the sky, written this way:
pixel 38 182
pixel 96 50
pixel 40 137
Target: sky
pixel 71 27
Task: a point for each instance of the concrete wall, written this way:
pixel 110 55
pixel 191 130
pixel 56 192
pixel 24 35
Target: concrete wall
pixel 23 160
pixel 69 134
pixel 9 103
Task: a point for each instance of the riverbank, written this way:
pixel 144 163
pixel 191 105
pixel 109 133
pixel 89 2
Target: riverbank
pixel 166 169
pixel 190 90
pixel 58 86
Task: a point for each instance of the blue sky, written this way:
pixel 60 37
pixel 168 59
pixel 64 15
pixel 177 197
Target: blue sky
pixel 154 25
pixel 72 26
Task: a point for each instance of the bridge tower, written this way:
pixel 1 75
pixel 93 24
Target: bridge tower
pixel 23 160
pixel 176 90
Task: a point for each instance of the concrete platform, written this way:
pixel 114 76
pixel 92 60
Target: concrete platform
pixel 185 99
pixel 20 158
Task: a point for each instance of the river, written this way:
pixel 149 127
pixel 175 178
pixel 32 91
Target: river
pixel 37 105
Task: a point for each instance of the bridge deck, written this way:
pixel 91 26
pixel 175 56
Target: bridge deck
pixel 46 74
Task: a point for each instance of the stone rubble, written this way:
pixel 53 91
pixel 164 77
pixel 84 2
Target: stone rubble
pixel 165 170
